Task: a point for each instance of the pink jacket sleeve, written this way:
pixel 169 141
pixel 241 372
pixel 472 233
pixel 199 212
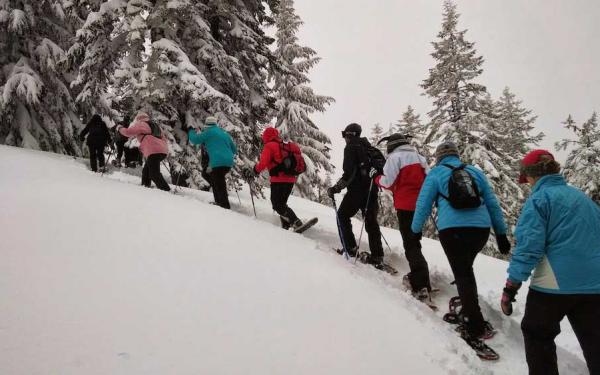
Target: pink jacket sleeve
pixel 136 129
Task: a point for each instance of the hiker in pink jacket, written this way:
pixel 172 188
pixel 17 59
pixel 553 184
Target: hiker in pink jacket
pixel 153 147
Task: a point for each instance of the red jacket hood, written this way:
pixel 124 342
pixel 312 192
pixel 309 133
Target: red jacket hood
pixel 270 134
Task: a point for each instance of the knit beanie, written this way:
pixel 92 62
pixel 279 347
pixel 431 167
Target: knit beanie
pixel 445 149
pixel 210 120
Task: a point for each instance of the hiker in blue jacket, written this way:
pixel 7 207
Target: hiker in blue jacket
pixel 221 152
pixel 463 232
pixel 558 235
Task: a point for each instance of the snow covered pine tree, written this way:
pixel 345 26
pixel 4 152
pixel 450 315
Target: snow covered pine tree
pixel 582 167
pixel 296 101
pixel 36 107
pixel 464 113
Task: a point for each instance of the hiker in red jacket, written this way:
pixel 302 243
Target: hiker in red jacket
pixel 282 184
pixel 404 172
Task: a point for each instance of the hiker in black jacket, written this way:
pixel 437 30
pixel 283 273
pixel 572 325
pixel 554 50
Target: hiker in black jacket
pixel 357 181
pixel 97 139
pixel 120 141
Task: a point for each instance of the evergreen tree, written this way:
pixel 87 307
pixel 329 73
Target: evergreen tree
pixel 582 167
pixel 410 124
pixel 181 61
pixel 517 124
pixel 464 113
pixel 296 101
pixel 36 107
pixel 376 134
pixel 238 27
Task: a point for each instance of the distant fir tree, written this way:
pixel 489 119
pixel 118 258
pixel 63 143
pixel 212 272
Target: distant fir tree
pixel 410 124
pixel 36 106
pixel 464 113
pixel 582 167
pixel 377 133
pixel 517 125
pixel 296 101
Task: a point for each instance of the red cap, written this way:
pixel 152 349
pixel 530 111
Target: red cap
pixel 533 157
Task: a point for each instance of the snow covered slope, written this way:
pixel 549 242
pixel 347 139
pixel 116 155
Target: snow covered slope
pixel 101 276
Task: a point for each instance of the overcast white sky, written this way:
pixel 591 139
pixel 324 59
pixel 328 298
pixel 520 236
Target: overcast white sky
pixel 376 53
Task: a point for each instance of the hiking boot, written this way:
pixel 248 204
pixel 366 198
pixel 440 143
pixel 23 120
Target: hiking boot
pixel 423 295
pixel 488 331
pixel 406 282
pixel 297 224
pixel 351 252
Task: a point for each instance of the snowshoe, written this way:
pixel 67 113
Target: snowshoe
pixel 378 263
pixel 482 350
pixel 488 330
pixel 300 227
pixel 423 295
pixel 351 252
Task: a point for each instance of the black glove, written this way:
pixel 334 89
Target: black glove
pixel 248 173
pixel 508 296
pixel 503 243
pixel 417 236
pixel 333 191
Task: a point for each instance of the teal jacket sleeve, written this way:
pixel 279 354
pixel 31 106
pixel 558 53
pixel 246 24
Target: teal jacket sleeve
pixel 531 242
pixel 195 138
pixel 493 207
pixel 428 194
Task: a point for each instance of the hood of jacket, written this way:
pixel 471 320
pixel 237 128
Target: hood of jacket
pixel 270 134
pixel 142 117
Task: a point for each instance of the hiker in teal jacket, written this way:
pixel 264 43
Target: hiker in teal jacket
pixel 463 233
pixel 221 152
pixel 558 235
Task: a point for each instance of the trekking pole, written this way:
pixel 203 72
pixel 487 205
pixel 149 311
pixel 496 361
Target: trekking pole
pixel 238 196
pixel 386 243
pixel 364 220
pixel 382 236
pixel 252 197
pixel 339 226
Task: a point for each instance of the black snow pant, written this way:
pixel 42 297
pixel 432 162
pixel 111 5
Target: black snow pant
pixel 219 186
pixel 461 246
pixel 419 270
pixel 354 201
pixel 120 150
pixel 96 156
pixel 151 172
pixel 541 324
pixel 280 193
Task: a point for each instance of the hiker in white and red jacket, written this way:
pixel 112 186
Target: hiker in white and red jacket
pixel 403 174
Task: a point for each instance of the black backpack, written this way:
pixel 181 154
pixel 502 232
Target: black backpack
pixel 154 129
pixel 373 158
pixel 462 189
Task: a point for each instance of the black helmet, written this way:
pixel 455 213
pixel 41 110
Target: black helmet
pixel 395 140
pixel 352 130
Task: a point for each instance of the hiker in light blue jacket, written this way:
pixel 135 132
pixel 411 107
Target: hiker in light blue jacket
pixel 221 152
pixel 463 231
pixel 558 235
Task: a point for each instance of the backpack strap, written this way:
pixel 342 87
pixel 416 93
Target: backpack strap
pixel 462 166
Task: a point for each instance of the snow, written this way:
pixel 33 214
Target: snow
pixel 102 276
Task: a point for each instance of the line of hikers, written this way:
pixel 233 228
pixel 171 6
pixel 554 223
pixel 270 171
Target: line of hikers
pixel 557 234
